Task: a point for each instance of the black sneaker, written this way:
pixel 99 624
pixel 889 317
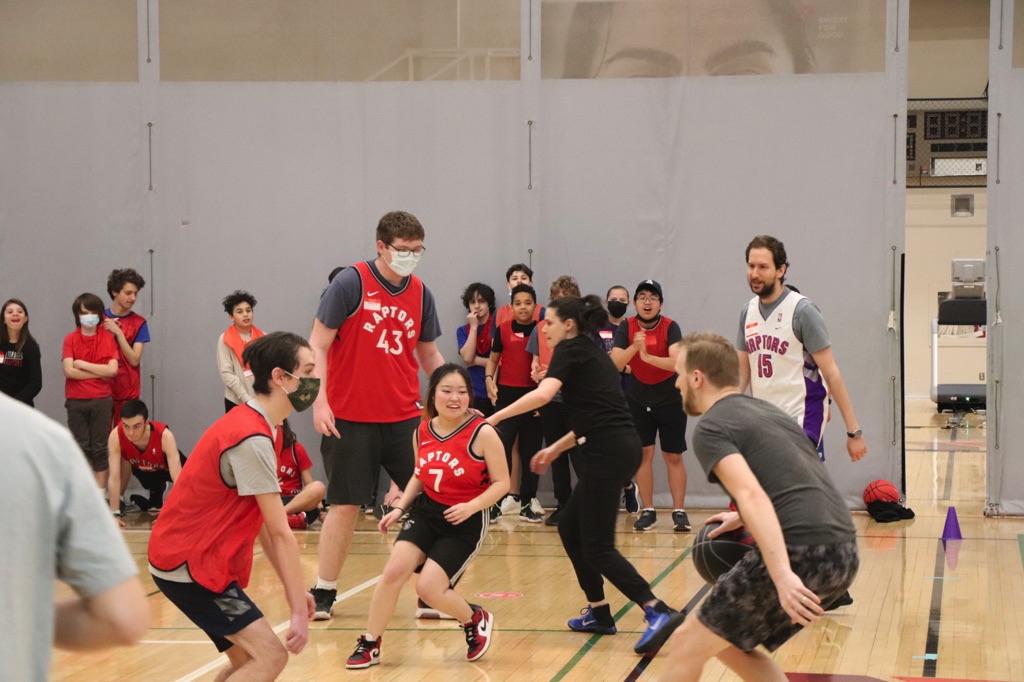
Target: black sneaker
pixel 648 520
pixel 324 600
pixel 680 521
pixel 630 499
pixel 842 600
pixel 495 512
pixel 141 502
pixel 552 520
pixel 312 515
pixel 529 515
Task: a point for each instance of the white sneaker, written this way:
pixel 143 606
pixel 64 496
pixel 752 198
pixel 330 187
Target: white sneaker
pixel 535 506
pixel 511 505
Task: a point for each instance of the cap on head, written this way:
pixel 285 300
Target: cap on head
pixel 649 285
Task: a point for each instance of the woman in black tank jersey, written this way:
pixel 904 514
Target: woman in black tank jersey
pixel 610 454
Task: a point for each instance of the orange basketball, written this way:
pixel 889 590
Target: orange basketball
pixel 881 491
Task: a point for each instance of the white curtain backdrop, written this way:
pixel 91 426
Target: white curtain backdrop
pixel 269 186
pixel 1005 466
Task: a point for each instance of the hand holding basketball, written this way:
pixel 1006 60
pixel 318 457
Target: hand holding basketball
pixel 728 521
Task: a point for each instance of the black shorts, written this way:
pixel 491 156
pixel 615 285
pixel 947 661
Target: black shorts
pixel 152 480
pixel 450 547
pixel 744 609
pixel 218 615
pixel 667 421
pixel 353 462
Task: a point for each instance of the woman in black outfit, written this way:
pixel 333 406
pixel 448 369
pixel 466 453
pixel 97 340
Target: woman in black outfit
pixel 610 454
pixel 21 373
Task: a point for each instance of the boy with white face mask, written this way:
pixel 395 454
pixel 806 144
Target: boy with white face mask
pixel 89 359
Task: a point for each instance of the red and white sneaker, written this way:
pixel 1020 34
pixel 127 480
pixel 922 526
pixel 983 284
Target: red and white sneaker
pixel 478 633
pixel 297 521
pixel 367 653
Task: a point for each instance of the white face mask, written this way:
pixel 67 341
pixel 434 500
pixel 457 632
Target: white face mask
pixel 91 320
pixel 404 265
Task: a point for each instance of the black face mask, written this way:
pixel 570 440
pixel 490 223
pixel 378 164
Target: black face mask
pixel 617 308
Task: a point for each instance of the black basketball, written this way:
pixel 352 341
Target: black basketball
pixel 715 557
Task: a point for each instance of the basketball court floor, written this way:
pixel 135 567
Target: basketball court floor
pixel 923 609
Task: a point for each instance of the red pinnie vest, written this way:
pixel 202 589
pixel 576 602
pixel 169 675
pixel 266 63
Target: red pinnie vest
pixel 657 344
pixel 205 523
pixel 127 384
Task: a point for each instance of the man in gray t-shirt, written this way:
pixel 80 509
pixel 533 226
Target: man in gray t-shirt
pixel 806 552
pixel 57 527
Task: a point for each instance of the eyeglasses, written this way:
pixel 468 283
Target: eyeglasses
pixel 647 299
pixel 405 253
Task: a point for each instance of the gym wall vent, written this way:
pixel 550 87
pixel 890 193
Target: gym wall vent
pixel 961 205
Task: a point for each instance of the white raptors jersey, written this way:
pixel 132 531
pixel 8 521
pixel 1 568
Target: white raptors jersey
pixel 781 370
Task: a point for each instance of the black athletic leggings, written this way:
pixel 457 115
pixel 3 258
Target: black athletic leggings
pixel 556 424
pixel 607 462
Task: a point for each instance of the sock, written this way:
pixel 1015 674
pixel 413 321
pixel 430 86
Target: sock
pixel 603 614
pixel 322 584
pixel 678 510
pixel 650 509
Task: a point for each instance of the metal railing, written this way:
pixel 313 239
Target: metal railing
pixel 427 64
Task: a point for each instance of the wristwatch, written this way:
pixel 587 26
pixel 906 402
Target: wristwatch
pixel 855 434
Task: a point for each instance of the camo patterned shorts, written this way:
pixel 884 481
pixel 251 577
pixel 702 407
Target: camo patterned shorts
pixel 743 606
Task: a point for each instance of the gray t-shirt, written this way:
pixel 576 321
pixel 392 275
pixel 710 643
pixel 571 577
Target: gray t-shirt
pixel 808 324
pixel 810 509
pixel 56 526
pixel 344 294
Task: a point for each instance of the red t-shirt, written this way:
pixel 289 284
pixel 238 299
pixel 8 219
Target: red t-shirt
pixel 291 462
pixel 372 370
pixel 451 472
pixel 99 349
pixel 149 458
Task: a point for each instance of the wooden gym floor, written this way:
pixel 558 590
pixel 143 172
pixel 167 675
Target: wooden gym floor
pixel 921 610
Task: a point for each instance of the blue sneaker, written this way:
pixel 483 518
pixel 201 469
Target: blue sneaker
pixel 659 627
pixel 587 623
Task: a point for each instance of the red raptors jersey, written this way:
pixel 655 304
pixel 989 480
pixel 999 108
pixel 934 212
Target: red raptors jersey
pixel 451 472
pixel 149 458
pixel 291 462
pixel 657 344
pixel 205 523
pixel 515 359
pixel 372 371
pixel 127 383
